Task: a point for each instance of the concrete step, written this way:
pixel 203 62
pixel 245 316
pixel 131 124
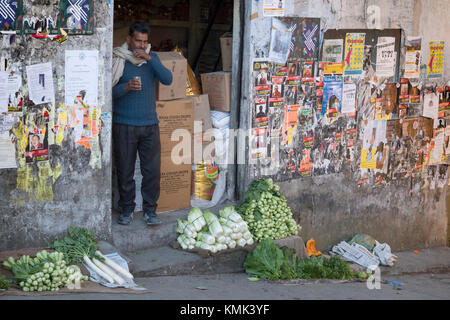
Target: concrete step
pixel 138 236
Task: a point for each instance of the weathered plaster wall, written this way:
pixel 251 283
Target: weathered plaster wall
pixel 333 207
pixel 82 192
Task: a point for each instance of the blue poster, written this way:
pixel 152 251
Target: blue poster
pixel 10 11
pixel 332 94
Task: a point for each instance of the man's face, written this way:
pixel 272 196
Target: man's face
pixel 35 141
pixel 137 41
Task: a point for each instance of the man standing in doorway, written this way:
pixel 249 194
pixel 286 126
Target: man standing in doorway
pixel 135 121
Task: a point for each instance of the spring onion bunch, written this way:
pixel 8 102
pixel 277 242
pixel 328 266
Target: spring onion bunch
pixel 226 231
pixel 266 212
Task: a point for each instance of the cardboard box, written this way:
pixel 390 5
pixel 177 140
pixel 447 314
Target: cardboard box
pixel 226 46
pixel 202 115
pixel 175 192
pixel 217 85
pixel 176 183
pixel 177 64
pixel 173 115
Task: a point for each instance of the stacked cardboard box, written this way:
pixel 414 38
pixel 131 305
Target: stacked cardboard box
pixel 218 87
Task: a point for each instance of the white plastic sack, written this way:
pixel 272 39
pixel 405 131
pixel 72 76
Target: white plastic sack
pixel 384 255
pixel 220 119
pixel 356 253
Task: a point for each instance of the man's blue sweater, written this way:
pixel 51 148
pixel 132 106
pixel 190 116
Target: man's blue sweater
pixel 138 108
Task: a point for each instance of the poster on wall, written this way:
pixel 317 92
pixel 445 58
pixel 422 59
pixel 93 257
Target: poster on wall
pixel 310 38
pixel 374 149
pixel 431 107
pixel 349 98
pixel 354 53
pixel 37 144
pixel 40 83
pixel 280 42
pixel 81 77
pixel 11 12
pixel 435 65
pixel 3 92
pixel 15 98
pixel 413 57
pixel 332 95
pixel 7 148
pixel 76 17
pixel 274 8
pixel 386 57
pixel 333 50
pixel 290 124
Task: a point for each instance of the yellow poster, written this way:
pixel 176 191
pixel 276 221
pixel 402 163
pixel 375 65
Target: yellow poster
pixel 435 59
pixel 354 53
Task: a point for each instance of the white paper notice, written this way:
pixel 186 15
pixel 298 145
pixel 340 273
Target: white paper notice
pixel 3 92
pixel 7 152
pixel 386 57
pixel 333 50
pixel 431 107
pixel 348 98
pixel 274 8
pixel 280 42
pixel 81 77
pixel 412 57
pixel 40 83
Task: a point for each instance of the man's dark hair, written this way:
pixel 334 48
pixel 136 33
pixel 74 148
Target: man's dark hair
pixel 139 26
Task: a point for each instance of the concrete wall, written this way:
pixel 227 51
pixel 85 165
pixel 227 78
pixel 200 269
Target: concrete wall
pixel 78 188
pixel 404 213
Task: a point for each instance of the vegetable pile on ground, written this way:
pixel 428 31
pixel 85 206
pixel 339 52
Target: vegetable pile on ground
pixel 80 246
pixel 4 283
pixel 47 271
pixel 266 212
pixel 207 231
pixel 271 262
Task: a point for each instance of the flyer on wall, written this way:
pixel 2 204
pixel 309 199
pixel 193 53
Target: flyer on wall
pixel 354 53
pixel 81 77
pixel 37 144
pixel 40 83
pixel 386 57
pixel 413 57
pixel 3 92
pixel 15 98
pixel 280 42
pixel 333 50
pixel 332 95
pixel 349 98
pixel 435 65
pixel 274 8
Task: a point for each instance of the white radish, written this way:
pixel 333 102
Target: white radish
pixel 97 270
pixel 116 267
pixel 109 272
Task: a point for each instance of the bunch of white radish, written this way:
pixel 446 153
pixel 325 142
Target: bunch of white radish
pixel 214 233
pixel 108 270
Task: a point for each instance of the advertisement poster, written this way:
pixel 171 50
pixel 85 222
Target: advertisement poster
pixel 276 116
pixel 280 42
pixel 3 91
pixel 260 112
pixel 40 83
pixel 81 77
pixel 10 11
pixel 310 38
pixel 274 8
pixel 349 98
pixel 15 99
pixel 290 123
pixel 435 65
pixel 354 53
pixel 332 95
pixel 261 72
pixel 7 148
pixel 431 107
pixel 374 149
pixel 37 146
pixel 333 49
pixel 413 58
pixel 386 57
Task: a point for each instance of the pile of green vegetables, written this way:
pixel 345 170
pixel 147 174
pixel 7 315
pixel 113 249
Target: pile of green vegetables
pixel 4 283
pixel 80 246
pixel 271 262
pixel 45 272
pixel 266 212
pixel 207 231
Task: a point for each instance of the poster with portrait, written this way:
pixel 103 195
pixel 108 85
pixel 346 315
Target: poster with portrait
pixel 290 94
pixel 276 117
pixel 375 149
pixel 37 144
pixel 277 91
pixel 260 113
pixel 332 95
pixel 261 72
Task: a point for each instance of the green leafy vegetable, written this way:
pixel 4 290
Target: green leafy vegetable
pixel 4 283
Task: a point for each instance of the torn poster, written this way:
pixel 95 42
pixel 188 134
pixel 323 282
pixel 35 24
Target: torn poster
pixel 333 50
pixel 15 98
pixel 386 57
pixel 354 53
pixel 349 98
pixel 81 77
pixel 40 83
pixel 280 42
pixel 413 59
pixel 274 8
pixel 438 148
pixel 374 149
pixel 431 107
pixel 290 124
pixel 3 91
pixel 435 65
pixel 10 11
pixel 7 148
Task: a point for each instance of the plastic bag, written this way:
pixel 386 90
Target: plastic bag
pixel 384 255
